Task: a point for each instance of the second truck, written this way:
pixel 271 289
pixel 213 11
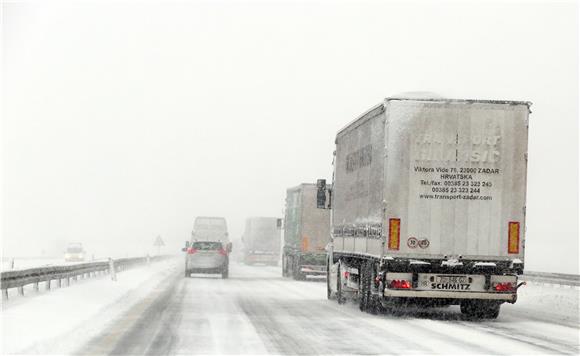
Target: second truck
pixel 306 234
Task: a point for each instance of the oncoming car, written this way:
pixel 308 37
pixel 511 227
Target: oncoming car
pixel 207 257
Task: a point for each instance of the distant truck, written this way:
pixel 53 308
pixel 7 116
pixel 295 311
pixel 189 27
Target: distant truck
pixel 306 234
pixel 74 252
pixel 429 205
pixel 262 238
pixel 210 228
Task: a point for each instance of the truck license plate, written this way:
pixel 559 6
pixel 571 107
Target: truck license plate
pixel 462 283
pixel 451 282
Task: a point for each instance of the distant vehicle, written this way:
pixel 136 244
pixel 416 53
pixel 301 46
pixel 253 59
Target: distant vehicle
pixel 207 257
pixel 428 205
pixel 306 234
pixel 262 239
pixel 74 253
pixel 208 228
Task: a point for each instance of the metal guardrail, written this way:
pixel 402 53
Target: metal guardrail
pixel 20 278
pixel 553 278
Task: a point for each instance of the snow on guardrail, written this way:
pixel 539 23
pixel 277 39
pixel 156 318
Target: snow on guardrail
pixel 20 278
pixel 555 279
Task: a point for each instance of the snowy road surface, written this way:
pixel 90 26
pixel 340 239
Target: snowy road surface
pixel 256 311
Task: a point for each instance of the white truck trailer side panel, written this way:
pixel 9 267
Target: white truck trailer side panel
pixel 358 189
pixel 455 177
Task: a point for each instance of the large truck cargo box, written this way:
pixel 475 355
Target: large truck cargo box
pixel 306 227
pixel 306 233
pixel 433 178
pixel 262 239
pixel 210 228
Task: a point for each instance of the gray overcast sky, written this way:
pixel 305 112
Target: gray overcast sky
pixel 125 120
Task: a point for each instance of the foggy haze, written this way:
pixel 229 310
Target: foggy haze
pixel 124 121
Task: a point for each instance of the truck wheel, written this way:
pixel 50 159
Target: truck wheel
pixel 298 276
pixel 492 312
pixel 340 299
pixel 288 267
pixel 284 266
pixel 364 286
pixel 480 309
pixel 187 274
pixel 375 306
pixel 329 294
pixel 225 273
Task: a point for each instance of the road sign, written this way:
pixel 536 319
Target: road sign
pixel 159 242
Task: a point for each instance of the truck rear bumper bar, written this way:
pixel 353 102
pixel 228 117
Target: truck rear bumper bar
pixel 508 297
pixel 312 271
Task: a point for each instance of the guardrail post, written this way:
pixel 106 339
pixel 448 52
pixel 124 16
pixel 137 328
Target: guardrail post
pixel 21 290
pixel 48 284
pixel 36 286
pixel 112 270
pixel 58 282
pixel 5 293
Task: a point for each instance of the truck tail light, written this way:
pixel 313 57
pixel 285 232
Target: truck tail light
pixel 191 250
pixel 394 234
pixel 503 287
pixel 514 237
pixel 400 284
pixel 346 274
pixel 222 252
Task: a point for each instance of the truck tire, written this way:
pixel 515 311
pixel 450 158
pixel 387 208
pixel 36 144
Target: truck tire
pixel 187 274
pixel 480 309
pixel 339 298
pixel 225 273
pixel 364 286
pixel 298 276
pixel 375 306
pixel 284 266
pixel 329 294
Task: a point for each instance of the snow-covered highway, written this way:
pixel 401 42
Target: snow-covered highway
pixel 256 311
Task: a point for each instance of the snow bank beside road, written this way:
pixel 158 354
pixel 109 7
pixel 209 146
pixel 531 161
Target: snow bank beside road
pixel 57 320
pixel 553 303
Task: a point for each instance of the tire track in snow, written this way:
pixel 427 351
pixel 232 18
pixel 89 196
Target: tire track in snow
pixel 539 341
pixel 125 335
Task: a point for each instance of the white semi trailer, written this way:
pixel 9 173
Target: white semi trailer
pixel 429 205
pixel 262 238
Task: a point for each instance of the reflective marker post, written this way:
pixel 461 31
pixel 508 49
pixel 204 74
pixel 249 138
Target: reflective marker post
pixel 112 270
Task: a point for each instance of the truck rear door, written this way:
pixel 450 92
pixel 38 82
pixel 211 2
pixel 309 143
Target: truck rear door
pixel 455 178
